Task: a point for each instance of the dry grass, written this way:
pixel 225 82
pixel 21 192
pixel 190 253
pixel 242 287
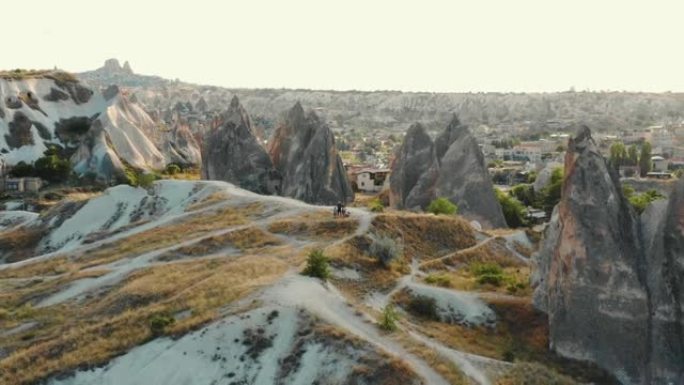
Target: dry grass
pixel 20 243
pixel 445 367
pixel 319 226
pixel 376 277
pixel 515 281
pixel 120 320
pixel 426 236
pixel 249 239
pixel 519 326
pixel 534 374
pixel 160 237
pixel 495 251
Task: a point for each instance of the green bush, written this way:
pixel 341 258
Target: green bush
pixel 488 273
pixel 389 319
pixel 442 206
pixel 52 168
pixel 376 206
pixel 317 265
pixel 173 169
pixel 384 249
pixel 514 211
pixel 550 195
pixel 424 306
pixel 641 201
pixel 439 280
pixel 159 322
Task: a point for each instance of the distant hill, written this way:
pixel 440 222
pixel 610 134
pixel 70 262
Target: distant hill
pixel 396 110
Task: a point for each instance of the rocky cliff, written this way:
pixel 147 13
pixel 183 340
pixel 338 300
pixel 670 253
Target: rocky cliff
pixel 233 154
pixel 613 297
pixel 303 151
pixel 102 132
pixel 452 166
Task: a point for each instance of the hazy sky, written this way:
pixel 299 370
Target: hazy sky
pixel 426 45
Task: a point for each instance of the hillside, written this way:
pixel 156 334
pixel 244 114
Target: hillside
pixel 198 283
pixel 100 132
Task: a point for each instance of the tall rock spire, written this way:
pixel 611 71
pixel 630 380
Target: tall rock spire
pixel 611 282
pixel 232 153
pixel 303 151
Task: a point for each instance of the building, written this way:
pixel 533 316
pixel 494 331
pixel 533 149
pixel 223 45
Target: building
pixel 659 163
pixel 22 185
pixel 371 179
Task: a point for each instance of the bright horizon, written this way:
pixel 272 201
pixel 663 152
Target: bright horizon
pixel 432 46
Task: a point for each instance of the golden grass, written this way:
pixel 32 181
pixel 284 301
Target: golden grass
pixel 515 281
pixel 518 326
pixel 164 236
pixel 120 320
pixel 319 225
pixel 21 242
pixel 442 365
pixel 495 251
pixel 426 236
pixel 248 239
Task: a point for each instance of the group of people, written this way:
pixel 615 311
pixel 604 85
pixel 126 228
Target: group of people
pixel 340 210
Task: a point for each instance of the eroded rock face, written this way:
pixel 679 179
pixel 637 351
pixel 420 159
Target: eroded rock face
pixel 665 255
pixel 233 154
pixel 463 176
pixel 182 148
pixel 303 151
pixel 609 297
pixel 414 171
pixel 452 166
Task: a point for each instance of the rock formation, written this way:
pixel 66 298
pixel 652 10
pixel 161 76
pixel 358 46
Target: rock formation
pixel 463 176
pixel 303 151
pixel 610 283
pixel 452 166
pixel 233 154
pixel 414 171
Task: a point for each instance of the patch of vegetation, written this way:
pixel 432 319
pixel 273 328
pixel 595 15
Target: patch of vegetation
pixel 528 373
pixel 426 236
pixel 384 249
pixel 172 169
pixel 488 273
pixel 375 205
pixel 442 206
pixel 136 177
pixel 442 280
pixel 389 319
pixel 52 167
pixel 550 195
pixel 424 307
pixel 641 201
pixel 514 211
pixel 317 265
pixel 159 322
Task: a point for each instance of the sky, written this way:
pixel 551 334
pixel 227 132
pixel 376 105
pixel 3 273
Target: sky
pixel 427 45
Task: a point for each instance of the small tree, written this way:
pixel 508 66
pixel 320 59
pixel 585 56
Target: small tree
pixel 389 318
pixel 384 249
pixel 159 322
pixel 375 205
pixel 514 211
pixel 442 206
pixel 317 265
pixel 645 159
pixel 173 169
